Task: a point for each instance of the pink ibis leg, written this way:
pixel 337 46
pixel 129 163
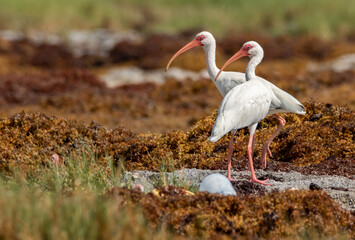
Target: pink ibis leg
pixel 251 166
pixel 267 144
pixel 230 153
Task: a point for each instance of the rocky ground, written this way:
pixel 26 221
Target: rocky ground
pixel 340 188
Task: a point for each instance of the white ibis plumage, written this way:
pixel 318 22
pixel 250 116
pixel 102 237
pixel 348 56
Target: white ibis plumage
pixel 228 80
pixel 246 104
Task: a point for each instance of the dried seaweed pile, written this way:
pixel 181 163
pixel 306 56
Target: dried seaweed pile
pixel 322 141
pixel 289 214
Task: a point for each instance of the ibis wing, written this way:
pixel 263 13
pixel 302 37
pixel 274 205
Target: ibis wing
pixel 244 105
pixel 287 102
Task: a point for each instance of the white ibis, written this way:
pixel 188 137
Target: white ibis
pixel 246 104
pixel 228 80
pixel 217 183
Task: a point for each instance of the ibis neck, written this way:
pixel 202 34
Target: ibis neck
pixel 210 51
pixel 250 70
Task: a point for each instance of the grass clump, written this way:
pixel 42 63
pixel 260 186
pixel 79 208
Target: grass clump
pixel 64 201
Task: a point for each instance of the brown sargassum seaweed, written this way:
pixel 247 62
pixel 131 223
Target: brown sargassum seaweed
pixel 320 142
pixel 291 214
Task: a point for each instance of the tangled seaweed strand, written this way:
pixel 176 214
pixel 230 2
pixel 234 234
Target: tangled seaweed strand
pixel 321 142
pixel 298 214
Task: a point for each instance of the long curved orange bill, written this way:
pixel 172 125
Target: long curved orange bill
pixel 236 56
pixel 188 46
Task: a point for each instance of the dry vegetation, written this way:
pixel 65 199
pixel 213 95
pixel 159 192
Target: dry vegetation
pixel 281 215
pixel 322 141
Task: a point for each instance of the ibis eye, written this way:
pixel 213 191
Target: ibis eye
pixel 248 47
pixel 201 38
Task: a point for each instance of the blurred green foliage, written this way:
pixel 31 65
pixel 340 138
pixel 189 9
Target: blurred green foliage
pixel 324 18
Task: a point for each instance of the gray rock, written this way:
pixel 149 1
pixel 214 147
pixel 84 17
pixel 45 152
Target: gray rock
pixel 39 37
pixel 217 183
pixel 133 75
pixel 341 64
pixel 98 42
pixel 10 35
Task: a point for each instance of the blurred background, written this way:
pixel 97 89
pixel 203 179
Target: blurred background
pixel 104 60
pixel 323 18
